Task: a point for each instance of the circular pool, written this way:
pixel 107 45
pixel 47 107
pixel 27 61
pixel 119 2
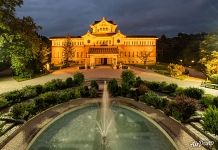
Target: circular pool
pixel 77 130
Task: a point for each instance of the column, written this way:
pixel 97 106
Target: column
pixel 92 61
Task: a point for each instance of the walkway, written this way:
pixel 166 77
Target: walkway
pixel 8 84
pixel 21 139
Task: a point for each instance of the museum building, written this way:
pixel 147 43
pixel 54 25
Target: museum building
pixel 105 45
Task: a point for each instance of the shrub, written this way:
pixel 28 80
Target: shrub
pixel 113 87
pixel 38 88
pixel 68 94
pixel 142 89
pixel 152 98
pixel 128 77
pixel 94 84
pixel 162 86
pixel 79 78
pixel 210 120
pixel 155 86
pixel 168 110
pixel 69 82
pixel 215 101
pixel 195 93
pixel 93 92
pixel 22 110
pixel 64 96
pixel 53 85
pixel 207 100
pixel 138 82
pixel 185 107
pixel 179 91
pixel 176 70
pixel 3 102
pixel 77 93
pixel 13 97
pixel 214 78
pixel 46 100
pixel 84 91
pixel 125 89
pixel 28 92
pixel 170 88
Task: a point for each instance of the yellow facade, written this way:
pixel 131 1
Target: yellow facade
pixel 105 45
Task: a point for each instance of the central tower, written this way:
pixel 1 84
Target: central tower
pixel 103 27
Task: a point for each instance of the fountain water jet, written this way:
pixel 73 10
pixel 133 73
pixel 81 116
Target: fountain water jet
pixel 106 121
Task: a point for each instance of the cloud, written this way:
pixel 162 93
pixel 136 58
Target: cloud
pixel 132 16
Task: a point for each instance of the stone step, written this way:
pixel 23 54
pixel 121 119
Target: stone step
pixel 198 126
pixel 201 137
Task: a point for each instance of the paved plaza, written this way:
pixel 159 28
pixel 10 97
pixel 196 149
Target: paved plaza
pixel 101 72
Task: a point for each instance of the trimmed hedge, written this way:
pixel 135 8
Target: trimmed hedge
pixel 29 92
pixel 55 84
pixel 153 99
pixel 23 110
pixel 192 92
pixel 162 86
pixel 42 102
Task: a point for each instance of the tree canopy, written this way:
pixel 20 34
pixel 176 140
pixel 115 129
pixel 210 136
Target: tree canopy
pixel 209 53
pixel 20 44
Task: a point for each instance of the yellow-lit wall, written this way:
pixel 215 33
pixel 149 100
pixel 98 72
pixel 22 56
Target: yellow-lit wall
pixel 130 48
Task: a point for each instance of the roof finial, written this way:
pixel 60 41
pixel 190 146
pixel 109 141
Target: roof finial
pixel 103 18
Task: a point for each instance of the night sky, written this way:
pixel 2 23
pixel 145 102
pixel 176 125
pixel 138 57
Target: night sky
pixel 150 17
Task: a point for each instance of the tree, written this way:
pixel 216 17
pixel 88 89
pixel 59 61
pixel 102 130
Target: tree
pixel 209 54
pixel 128 77
pixel 68 50
pixel 20 44
pixel 144 57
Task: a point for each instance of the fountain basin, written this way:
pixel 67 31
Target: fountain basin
pixel 76 129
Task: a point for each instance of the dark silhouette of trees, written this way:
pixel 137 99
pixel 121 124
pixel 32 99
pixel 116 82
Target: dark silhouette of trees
pixel 183 48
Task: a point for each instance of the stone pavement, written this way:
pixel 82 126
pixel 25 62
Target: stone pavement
pixel 8 84
pixel 25 134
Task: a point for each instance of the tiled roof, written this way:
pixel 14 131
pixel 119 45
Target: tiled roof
pixel 103 50
pixel 58 37
pixel 105 34
pixel 136 36
pixel 110 21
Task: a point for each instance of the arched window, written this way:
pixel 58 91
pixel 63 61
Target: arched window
pixel 88 41
pixel 118 41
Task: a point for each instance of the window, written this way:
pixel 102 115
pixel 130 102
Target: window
pixel 118 41
pixel 77 54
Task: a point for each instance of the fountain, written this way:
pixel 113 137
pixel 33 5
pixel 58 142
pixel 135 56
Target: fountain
pixel 108 127
pixel 106 120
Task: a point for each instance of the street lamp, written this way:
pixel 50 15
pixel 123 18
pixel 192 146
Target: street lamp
pixel 193 61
